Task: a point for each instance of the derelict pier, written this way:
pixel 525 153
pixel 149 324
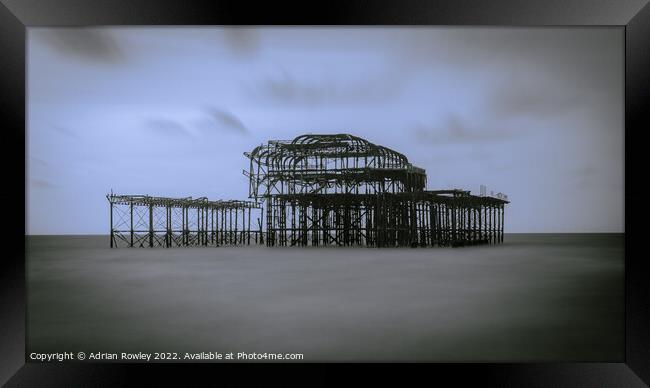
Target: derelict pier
pixel 317 190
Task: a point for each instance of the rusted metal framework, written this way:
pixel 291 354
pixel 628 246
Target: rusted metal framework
pixel 325 164
pixel 343 190
pixel 146 221
pixel 317 190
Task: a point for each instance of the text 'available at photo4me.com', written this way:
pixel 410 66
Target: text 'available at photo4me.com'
pixel 164 356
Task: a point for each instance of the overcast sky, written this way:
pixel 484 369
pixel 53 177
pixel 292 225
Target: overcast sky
pixel 534 113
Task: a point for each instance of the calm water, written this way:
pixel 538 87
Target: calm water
pixel 534 298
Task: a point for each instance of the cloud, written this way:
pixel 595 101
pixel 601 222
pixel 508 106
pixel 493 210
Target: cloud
pixel 89 44
pixel 286 88
pixel 65 131
pixel 572 54
pixel 43 184
pixel 533 73
pixel 456 131
pixel 242 42
pixel 218 119
pixel 536 97
pixel 587 177
pixel 39 162
pixel 166 127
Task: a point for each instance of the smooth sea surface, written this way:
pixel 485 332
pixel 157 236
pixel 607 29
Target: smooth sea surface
pixel 536 297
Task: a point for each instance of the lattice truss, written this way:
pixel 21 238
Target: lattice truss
pixel 325 164
pixel 145 221
pixel 427 218
pixel 317 190
pixel 344 190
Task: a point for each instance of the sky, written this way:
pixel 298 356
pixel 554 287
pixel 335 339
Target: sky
pixel 535 113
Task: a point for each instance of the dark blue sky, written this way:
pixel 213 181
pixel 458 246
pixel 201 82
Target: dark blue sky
pixel 534 113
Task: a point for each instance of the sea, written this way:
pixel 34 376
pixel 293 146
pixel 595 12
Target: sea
pixel 533 298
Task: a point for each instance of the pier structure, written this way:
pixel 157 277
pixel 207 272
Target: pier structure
pixel 317 190
pixel 343 190
pixel 146 221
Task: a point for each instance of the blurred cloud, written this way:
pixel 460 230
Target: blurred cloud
pixel 241 41
pixel 166 127
pixel 39 162
pixel 534 100
pixel 218 119
pixel 534 73
pixel 572 55
pixel 42 184
pixel 586 177
pixel 90 44
pixel 287 88
pixel 455 130
pixel 65 131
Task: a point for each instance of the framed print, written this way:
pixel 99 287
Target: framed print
pixel 435 183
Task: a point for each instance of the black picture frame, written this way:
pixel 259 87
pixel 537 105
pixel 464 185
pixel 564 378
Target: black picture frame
pixel 17 15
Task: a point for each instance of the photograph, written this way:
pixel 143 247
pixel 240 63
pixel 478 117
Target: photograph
pixel 301 194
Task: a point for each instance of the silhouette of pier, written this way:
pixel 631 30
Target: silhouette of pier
pixel 318 190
